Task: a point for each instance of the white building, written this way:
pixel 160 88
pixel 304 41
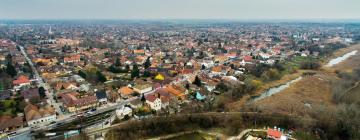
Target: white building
pixel 123 111
pixel 153 102
pixel 36 116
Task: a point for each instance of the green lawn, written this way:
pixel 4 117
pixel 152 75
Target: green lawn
pixel 9 103
pixel 295 63
pixel 9 107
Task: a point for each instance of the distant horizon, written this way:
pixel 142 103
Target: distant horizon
pixel 175 21
pixel 179 9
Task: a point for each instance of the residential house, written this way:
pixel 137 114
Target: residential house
pixel 274 134
pixel 84 87
pixel 74 102
pixel 165 101
pixel 21 81
pixel 66 85
pixel 142 88
pixel 39 115
pixel 217 70
pixel 139 52
pixel 78 78
pixel 123 111
pixel 177 91
pixel 7 123
pixel 199 97
pixel 154 102
pixel 101 96
pixel 126 92
pixel 72 59
pixel 246 60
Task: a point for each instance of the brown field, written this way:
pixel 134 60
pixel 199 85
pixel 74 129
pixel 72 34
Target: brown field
pixel 352 95
pixel 312 90
pixel 349 64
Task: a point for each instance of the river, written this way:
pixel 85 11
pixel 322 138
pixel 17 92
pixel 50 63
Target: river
pixel 337 60
pixel 276 89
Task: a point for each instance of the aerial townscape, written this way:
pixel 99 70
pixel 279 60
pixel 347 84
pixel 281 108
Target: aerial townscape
pixel 179 79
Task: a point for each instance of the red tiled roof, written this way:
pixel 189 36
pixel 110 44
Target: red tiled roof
pixel 21 80
pixel 70 99
pixel 175 91
pixel 247 58
pixel 274 133
pixel 126 90
pixel 151 98
pixel 72 58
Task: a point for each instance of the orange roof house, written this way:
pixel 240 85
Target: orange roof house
pixel 216 69
pixel 22 79
pixel 139 51
pixel 177 91
pixel 272 133
pixel 125 91
pixel 74 58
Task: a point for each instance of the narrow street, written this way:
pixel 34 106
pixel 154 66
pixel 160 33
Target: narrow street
pixel 41 83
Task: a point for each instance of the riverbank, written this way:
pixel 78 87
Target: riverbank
pixel 350 63
pixel 306 87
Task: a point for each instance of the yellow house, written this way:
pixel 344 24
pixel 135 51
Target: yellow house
pixel 159 77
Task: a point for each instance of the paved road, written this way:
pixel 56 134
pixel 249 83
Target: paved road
pixel 41 83
pixel 67 118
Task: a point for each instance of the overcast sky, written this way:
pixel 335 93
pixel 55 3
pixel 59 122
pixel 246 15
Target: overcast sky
pixel 179 9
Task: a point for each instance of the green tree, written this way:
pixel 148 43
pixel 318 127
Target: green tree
pixel 8 58
pixel 271 74
pixel 187 86
pixel 146 73
pixel 203 67
pixel 10 69
pixel 117 62
pixel 82 74
pixel 100 77
pixel 197 81
pixel 147 63
pixel 135 71
pixel 42 92
pixel 127 68
pixel 143 98
pixel 114 69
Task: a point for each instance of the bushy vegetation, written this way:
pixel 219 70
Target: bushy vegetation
pixel 231 124
pixel 12 106
pixel 343 122
pixel 310 65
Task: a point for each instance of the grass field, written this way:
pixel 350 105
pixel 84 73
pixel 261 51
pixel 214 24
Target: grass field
pixel 300 98
pixel 9 107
